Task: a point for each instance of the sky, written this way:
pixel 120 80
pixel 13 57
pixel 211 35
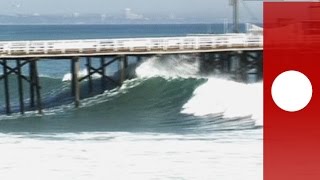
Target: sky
pixel 215 9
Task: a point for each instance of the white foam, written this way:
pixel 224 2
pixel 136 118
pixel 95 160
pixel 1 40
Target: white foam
pixel 82 73
pixel 216 96
pixel 117 155
pixel 169 67
pixel 232 98
pixel 110 94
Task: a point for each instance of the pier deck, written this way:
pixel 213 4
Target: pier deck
pixel 227 53
pixel 131 46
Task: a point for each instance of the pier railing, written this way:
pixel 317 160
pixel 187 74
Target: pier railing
pixel 142 45
pixel 227 50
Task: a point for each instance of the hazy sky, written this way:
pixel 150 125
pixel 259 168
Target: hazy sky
pixel 217 9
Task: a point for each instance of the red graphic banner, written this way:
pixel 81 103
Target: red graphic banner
pixel 291 43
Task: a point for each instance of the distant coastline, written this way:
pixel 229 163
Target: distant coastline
pixel 96 19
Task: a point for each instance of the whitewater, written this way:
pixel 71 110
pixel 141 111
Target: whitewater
pixel 169 122
pixel 215 96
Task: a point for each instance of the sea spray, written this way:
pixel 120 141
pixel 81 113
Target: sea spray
pixel 169 86
pixel 174 66
pixel 215 96
pixel 140 134
pixel 232 98
pixel 82 73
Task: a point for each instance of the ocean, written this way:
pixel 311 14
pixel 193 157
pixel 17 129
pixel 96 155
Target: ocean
pixel 168 122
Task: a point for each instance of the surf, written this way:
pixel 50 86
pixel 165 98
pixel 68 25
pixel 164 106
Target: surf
pixel 216 96
pixel 166 93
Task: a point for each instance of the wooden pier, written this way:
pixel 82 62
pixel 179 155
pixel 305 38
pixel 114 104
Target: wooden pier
pixel 221 51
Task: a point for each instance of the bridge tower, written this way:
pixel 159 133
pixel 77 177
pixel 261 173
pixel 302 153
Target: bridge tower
pixel 235 16
pixel 235 10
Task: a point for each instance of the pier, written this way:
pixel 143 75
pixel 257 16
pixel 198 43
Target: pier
pixel 236 53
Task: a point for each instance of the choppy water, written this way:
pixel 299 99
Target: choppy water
pixel 169 122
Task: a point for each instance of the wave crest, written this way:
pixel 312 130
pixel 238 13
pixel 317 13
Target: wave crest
pixel 232 98
pixel 173 66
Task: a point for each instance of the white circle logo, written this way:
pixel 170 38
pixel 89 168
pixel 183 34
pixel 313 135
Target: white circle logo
pixel 291 91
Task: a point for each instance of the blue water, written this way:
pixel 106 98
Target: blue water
pixel 168 122
pixel 45 32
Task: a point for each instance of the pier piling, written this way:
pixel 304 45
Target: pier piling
pixel 123 67
pixel 32 84
pixel 75 67
pixel 103 72
pixel 36 84
pixel 89 66
pixel 6 86
pixel 20 86
pixel 239 61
